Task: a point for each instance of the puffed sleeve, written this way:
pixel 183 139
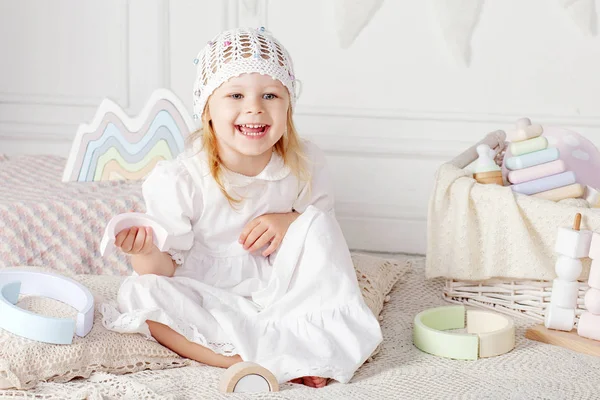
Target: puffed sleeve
pixel 319 191
pixel 172 199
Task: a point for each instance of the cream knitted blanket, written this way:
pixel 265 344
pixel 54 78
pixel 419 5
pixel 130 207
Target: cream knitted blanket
pixel 478 232
pixel 400 371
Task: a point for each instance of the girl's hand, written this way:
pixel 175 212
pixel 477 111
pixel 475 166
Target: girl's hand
pixel 136 240
pixel 264 229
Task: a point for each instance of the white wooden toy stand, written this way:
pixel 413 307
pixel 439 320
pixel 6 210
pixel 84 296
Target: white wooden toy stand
pixel 571 245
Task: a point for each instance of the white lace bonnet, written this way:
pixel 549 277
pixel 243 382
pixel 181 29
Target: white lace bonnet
pixel 238 51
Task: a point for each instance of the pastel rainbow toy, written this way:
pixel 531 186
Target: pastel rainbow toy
pixel 115 146
pixel 549 163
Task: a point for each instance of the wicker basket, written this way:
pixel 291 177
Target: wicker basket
pixel 517 297
pixel 525 298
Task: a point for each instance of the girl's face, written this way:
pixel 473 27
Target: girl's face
pixel 249 115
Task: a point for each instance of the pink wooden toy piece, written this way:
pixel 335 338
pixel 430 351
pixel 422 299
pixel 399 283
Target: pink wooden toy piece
pixel 539 171
pixel 594 252
pixel 589 326
pixel 592 301
pixel 589 322
pixel 594 277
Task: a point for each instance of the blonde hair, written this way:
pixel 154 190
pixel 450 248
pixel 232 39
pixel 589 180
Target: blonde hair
pixel 289 147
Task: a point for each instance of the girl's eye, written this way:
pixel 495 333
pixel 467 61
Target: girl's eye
pixel 269 96
pixel 236 96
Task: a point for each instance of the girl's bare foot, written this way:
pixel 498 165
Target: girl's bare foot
pixel 312 381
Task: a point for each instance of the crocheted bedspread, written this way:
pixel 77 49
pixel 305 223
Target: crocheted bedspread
pixel 45 222
pixel 400 371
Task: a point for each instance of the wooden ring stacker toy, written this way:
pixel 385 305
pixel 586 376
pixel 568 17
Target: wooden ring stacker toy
pixel 248 377
pixel 571 244
pixel 488 334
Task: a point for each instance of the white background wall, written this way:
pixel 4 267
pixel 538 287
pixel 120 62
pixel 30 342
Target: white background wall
pixel 388 110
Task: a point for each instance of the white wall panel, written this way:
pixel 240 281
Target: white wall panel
pixel 388 110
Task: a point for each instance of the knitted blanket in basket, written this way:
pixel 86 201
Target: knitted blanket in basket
pixel 532 370
pixel 478 232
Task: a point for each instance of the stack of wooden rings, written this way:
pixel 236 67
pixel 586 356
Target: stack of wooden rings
pixel 589 321
pixel 535 168
pixel 571 245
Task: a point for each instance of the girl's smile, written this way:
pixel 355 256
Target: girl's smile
pixel 253 131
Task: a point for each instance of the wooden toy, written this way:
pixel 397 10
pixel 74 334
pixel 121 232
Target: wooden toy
pixel 573 243
pixel 592 196
pixel 486 169
pixel 568 269
pixel 559 322
pixel 564 294
pixel 592 300
pixel 579 154
pixel 546 183
pixel 589 326
pixel 525 130
pixel 162 238
pixel 21 322
pixel 532 159
pixel 116 146
pixel 559 318
pixel 594 252
pixel 488 334
pixel 565 192
pixel 536 172
pixel 594 276
pixel 492 177
pixel 247 377
pixel 528 146
pixel 589 322
pixel 569 340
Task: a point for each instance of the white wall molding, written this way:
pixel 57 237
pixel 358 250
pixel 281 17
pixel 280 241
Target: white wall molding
pixel 375 146
pixel 591 121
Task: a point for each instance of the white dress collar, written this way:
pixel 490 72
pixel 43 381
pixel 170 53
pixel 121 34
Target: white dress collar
pixel 275 170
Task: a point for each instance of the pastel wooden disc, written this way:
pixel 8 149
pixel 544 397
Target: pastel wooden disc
pixel 248 377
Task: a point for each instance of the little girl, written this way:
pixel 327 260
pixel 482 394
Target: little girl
pixel 260 270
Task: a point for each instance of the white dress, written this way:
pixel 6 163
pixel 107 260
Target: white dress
pixel 298 312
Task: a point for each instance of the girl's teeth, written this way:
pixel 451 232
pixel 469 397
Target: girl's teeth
pixel 252 129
